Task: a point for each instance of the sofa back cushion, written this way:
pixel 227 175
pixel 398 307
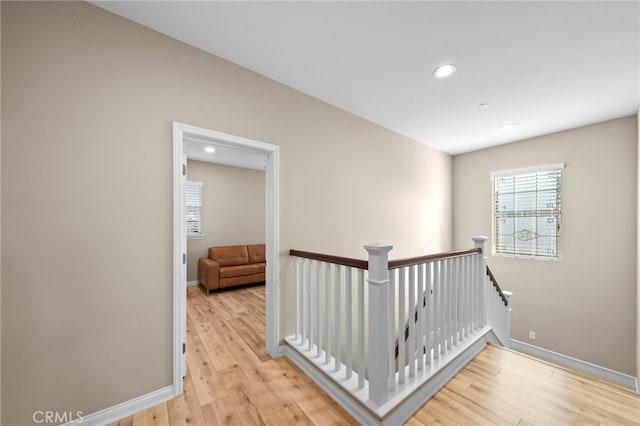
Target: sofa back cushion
pixel 229 255
pixel 256 253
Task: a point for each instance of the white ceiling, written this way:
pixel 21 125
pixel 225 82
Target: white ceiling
pixel 547 66
pixel 225 153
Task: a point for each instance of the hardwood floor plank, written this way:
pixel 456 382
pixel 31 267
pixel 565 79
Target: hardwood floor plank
pixel 272 399
pixel 191 401
pixel 178 411
pixel 247 402
pixel 292 414
pixel 492 413
pixel 484 392
pixel 253 338
pixel 215 346
pixel 461 381
pixel 224 412
pixel 428 416
pixel 204 375
pixel 128 421
pixel 554 403
pixel 155 416
pixel 455 411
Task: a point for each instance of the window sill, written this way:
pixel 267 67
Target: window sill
pixel 516 256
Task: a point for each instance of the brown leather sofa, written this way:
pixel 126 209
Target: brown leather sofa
pixel 230 266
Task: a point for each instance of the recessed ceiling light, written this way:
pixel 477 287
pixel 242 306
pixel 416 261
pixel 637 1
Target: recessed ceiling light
pixel 444 71
pixel 508 126
pixel 209 149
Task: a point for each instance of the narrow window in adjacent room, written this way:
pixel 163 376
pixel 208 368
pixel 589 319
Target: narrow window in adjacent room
pixel 527 212
pixel 193 209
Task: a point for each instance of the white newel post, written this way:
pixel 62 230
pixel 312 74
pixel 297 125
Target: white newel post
pixel 507 317
pixel 378 317
pixel 479 242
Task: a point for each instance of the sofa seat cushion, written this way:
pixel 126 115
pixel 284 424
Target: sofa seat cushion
pixel 239 270
pixel 229 255
pixel 262 266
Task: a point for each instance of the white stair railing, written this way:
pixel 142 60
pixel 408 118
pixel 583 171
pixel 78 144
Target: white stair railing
pixel 381 329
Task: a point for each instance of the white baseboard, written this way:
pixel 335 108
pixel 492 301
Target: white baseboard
pixel 125 409
pixel 577 364
pixel 192 283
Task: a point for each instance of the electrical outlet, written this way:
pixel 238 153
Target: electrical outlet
pixel 532 335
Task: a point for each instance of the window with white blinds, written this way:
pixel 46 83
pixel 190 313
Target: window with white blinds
pixel 193 209
pixel 527 212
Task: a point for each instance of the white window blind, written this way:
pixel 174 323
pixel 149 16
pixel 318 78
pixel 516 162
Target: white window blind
pixel 527 212
pixel 193 208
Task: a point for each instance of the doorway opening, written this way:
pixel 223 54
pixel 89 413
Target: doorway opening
pixel 234 151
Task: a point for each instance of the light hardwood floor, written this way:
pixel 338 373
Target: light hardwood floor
pixel 231 380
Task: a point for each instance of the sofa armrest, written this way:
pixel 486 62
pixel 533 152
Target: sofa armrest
pixel 209 273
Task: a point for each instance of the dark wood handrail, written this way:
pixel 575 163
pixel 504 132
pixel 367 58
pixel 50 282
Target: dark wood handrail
pixel 495 284
pixel 345 261
pixel 394 264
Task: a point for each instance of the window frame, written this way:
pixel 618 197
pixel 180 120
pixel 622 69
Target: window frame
pixel 193 235
pixel 536 214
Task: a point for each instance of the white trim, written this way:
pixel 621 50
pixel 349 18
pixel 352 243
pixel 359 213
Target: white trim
pixel 577 364
pixel 272 237
pixel 179 296
pixel 527 170
pixel 125 409
pixel 192 283
pixel 182 132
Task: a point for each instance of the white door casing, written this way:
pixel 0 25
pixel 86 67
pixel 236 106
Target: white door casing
pixel 181 133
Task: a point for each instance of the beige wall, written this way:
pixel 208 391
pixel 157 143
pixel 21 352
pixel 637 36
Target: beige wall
pixel 584 305
pixel 233 209
pixel 638 265
pixel 87 104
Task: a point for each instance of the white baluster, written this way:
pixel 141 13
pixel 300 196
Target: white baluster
pixel 308 305
pixel 429 311
pixel 444 290
pixel 328 303
pixel 437 310
pixel 454 294
pixel 361 368
pixel 466 288
pixel 449 304
pixel 474 297
pixel 379 339
pixel 349 322
pixel 391 321
pixel 318 309
pixel 298 297
pixel 401 324
pixel 421 310
pixel 337 311
pixel 413 311
pixel 441 309
pixel 507 319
